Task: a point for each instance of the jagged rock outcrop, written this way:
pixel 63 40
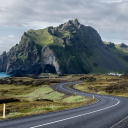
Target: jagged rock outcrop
pixel 68 48
pixel 24 58
pixel 123 45
pixel 3 62
pixel 48 61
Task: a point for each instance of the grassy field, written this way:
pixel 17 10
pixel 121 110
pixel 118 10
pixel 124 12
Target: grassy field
pixel 37 96
pixel 104 84
pixel 75 99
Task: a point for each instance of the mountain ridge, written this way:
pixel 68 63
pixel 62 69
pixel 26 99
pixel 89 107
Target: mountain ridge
pixel 69 48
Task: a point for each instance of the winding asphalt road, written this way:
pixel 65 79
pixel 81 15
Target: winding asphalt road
pixel 108 112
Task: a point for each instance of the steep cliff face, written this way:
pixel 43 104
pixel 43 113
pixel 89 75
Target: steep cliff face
pixel 84 51
pixel 24 58
pixel 3 62
pixel 68 48
pixel 28 57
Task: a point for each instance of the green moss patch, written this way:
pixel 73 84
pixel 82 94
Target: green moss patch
pixel 75 99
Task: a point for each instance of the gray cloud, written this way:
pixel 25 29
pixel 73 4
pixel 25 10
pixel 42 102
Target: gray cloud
pixel 108 17
pixel 25 12
pixel 7 42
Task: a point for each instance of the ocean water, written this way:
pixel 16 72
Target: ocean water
pixel 2 74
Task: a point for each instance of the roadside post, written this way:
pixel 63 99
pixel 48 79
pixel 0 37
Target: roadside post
pixel 93 97
pixel 3 111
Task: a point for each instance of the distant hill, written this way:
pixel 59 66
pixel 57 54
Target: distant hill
pixel 123 47
pixel 69 48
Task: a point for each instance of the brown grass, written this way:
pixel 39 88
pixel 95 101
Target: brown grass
pixel 106 85
pixel 38 96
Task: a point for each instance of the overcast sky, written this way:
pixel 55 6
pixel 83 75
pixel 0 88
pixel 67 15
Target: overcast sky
pixel 108 17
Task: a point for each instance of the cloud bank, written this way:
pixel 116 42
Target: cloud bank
pixel 108 17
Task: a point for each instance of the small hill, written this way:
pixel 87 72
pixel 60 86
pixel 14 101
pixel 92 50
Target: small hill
pixel 123 47
pixel 69 48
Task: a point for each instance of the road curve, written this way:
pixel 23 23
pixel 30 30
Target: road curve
pixel 106 113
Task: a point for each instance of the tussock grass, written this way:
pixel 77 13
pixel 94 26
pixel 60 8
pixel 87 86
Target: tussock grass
pixel 106 85
pixel 13 114
pixel 54 96
pixel 39 92
pixel 49 100
pixel 75 99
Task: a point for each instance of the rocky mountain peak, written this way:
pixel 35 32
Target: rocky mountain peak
pixel 123 45
pixel 68 48
pixel 71 24
pixel 76 22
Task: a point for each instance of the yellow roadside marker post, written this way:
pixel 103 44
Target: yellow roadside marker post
pixel 75 94
pixel 93 97
pixel 3 111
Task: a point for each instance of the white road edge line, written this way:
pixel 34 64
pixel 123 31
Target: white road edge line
pixel 119 122
pixel 76 116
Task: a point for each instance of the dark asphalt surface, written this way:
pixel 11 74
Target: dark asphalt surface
pixel 107 112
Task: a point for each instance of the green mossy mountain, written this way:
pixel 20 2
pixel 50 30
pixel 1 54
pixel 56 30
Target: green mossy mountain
pixel 69 48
